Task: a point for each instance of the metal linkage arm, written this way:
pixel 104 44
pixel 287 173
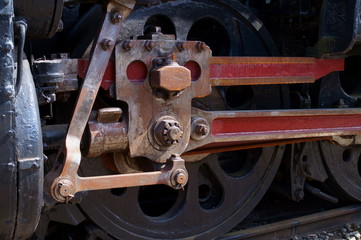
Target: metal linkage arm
pixel 117 11
pixel 173 174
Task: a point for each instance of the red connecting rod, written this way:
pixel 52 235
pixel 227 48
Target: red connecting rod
pixel 229 71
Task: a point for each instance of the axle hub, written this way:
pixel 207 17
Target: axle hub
pixel 168 132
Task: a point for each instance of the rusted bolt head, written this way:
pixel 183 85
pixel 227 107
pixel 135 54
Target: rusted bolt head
pixel 168 132
pixel 180 46
pixel 106 44
pixel 202 129
pixel 149 45
pixel 127 45
pixel 199 128
pixel 115 17
pixel 201 46
pixel 171 78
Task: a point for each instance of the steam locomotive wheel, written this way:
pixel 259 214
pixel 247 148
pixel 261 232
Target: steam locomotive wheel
pixel 222 188
pixel 344 170
pixel 221 191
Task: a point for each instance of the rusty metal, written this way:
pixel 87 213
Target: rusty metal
pixel 232 71
pixel 272 125
pixel 169 90
pixel 180 46
pixel 229 71
pixel 93 79
pixel 170 77
pixel 168 132
pixel 199 128
pixel 172 174
pixel 127 45
pixel 140 96
pixel 107 44
pixel 103 137
pixel 149 45
pixel 109 115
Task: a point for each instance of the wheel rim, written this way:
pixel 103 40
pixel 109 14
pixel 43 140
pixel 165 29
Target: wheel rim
pixel 208 206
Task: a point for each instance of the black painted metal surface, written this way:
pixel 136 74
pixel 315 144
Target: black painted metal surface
pixel 340 31
pixel 42 16
pixel 29 154
pixel 8 181
pixel 20 145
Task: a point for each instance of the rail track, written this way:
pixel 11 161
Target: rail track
pixel 331 220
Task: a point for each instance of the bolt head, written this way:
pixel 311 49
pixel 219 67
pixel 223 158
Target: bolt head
pixel 63 190
pixel 201 46
pixel 115 17
pixel 106 44
pixel 167 132
pixel 181 178
pixel 171 78
pixel 174 133
pixel 200 128
pixel 127 45
pixel 149 45
pixel 180 46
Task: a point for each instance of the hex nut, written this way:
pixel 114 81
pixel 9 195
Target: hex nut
pixel 171 78
pixel 168 132
pixel 200 128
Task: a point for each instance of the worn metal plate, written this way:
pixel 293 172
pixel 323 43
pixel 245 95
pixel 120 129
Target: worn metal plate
pixel 145 108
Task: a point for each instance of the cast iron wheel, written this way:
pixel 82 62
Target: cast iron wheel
pixel 223 188
pixel 221 191
pixel 343 165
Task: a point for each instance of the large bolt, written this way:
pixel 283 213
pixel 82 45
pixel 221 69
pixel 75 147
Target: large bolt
pixel 171 77
pixel 106 44
pixel 168 132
